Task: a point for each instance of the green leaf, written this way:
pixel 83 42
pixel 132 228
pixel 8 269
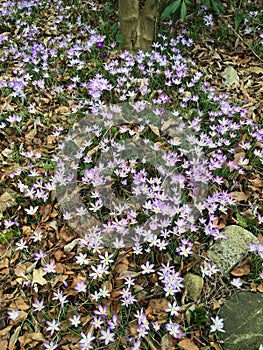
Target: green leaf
pixel 217 6
pixel 241 220
pixel 183 11
pixel 169 10
pixel 5 237
pixel 119 38
pixel 114 27
pixel 238 19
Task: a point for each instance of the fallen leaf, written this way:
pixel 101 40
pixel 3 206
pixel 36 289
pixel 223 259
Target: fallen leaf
pixel 62 109
pixel 3 344
pixel 253 287
pixel 155 130
pixel 256 70
pixel 51 139
pixel 120 268
pixel 240 271
pixel 5 331
pixel 7 200
pixel 215 346
pixel 257 182
pixel 188 344
pixel 168 342
pixel 238 156
pixel 127 273
pixel 30 135
pixel 38 277
pixel 230 75
pixel 14 338
pixel 216 305
pixel 240 196
pixel 69 247
pixel 156 308
pixel 4 263
pixel 19 304
pixel 27 338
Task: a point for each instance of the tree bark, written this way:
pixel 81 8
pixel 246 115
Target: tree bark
pixel 138 22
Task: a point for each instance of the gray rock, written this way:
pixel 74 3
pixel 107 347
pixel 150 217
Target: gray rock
pixel 226 253
pixel 194 285
pixel 243 321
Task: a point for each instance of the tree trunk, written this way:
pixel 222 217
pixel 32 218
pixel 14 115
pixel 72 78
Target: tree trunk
pixel 138 21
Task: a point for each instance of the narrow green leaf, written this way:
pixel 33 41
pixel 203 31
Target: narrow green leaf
pixel 218 6
pixel 183 11
pixel 238 19
pixel 169 10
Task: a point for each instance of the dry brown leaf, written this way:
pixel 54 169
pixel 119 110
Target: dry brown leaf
pixel 51 139
pixel 256 70
pixel 14 338
pixel 77 279
pixel 253 287
pixel 257 182
pixel 155 130
pixel 19 304
pixel 30 135
pixel 62 109
pixel 4 263
pixel 122 265
pixel 65 234
pixel 119 268
pixel 27 338
pixel 216 305
pixel 7 200
pixel 168 342
pixel 240 196
pixel 5 331
pixel 156 308
pixel 260 288
pixel 69 247
pixel 45 211
pixel 187 344
pixel 108 286
pixel 116 294
pixel 240 270
pixel 238 156
pixel 127 273
pixel 3 344
pixel 215 346
pixel 38 277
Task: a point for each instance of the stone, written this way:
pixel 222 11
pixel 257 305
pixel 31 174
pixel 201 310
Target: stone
pixel 226 253
pixel 243 321
pixel 194 285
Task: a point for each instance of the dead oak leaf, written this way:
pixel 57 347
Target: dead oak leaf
pixel 240 196
pixel 240 270
pixel 28 338
pixel 230 75
pixel 156 308
pixel 38 277
pixel 7 200
pixel 188 344
pixel 19 304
